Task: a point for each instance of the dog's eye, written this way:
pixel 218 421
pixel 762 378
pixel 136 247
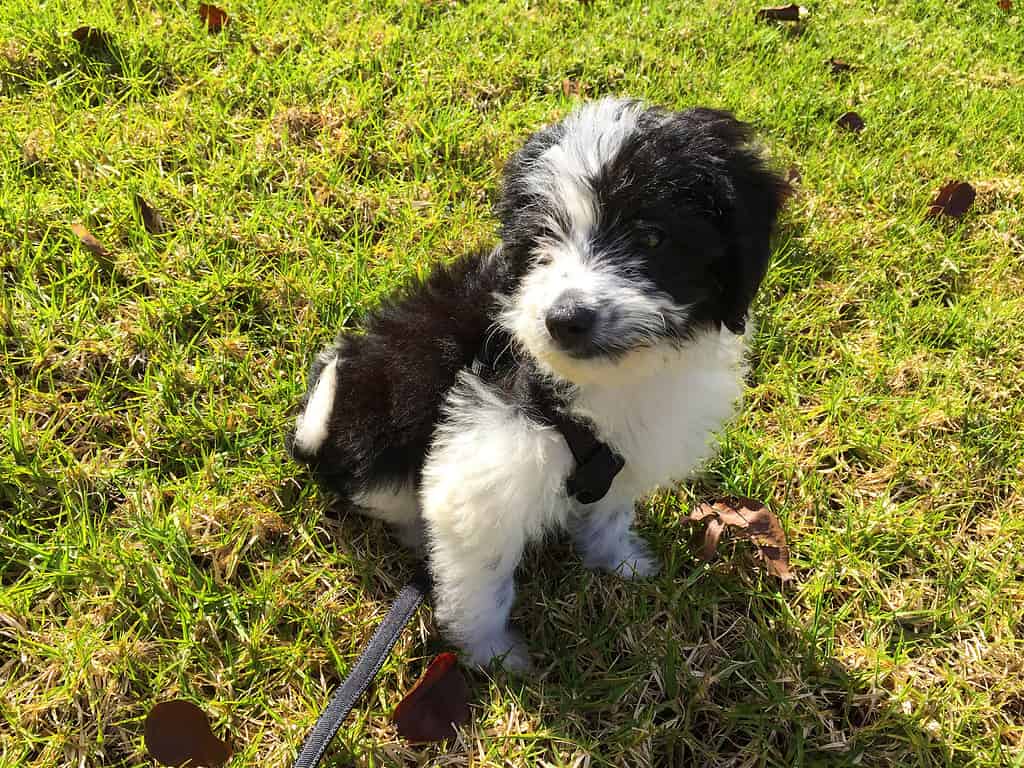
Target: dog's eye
pixel 648 235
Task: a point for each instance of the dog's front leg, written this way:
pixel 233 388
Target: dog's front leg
pixel 492 482
pixel 473 595
pixel 605 538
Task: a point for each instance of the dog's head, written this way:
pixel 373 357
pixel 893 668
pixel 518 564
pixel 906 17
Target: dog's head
pixel 633 226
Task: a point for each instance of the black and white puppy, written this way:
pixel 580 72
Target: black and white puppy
pixel 632 243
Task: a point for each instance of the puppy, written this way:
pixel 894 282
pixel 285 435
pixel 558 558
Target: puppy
pixel 632 242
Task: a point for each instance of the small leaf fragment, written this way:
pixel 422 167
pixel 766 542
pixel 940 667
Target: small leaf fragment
pixel 92 245
pixel 953 200
pixel 90 37
pixel 793 175
pixel 151 219
pixel 1005 5
pixel 573 87
pixel 178 733
pixel 214 17
pixel 437 703
pixel 712 535
pixel 851 121
pixel 838 66
pixel 92 42
pixel 791 12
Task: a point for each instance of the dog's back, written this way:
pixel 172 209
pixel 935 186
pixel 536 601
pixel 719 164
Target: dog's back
pixel 374 396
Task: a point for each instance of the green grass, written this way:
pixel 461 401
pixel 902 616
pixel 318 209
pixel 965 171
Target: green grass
pixel 155 542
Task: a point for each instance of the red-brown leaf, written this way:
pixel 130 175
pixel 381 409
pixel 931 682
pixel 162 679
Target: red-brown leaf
pixel 151 218
pixel 178 733
pixel 1005 5
pixel 436 704
pixel 851 121
pixel 791 12
pixel 953 200
pixel 214 17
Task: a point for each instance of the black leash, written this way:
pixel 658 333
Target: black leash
pixel 367 666
pixel 596 468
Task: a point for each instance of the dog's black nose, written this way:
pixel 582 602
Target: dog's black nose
pixel 571 322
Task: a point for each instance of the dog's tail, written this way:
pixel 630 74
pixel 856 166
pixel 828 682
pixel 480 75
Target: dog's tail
pixel 311 427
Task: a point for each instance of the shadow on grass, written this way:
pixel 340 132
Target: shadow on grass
pixel 701 666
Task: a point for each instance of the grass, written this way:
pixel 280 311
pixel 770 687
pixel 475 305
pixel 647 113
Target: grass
pixel 156 543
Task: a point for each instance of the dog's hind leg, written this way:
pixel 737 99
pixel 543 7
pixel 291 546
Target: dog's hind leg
pixel 399 508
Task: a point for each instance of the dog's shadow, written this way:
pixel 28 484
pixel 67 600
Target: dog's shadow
pixel 702 665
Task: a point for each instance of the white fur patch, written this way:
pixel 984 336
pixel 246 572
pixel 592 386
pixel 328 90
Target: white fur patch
pixel 311 426
pixel 395 506
pixel 662 407
pixel 592 138
pixel 494 480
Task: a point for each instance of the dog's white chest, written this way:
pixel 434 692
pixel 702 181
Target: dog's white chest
pixel 664 419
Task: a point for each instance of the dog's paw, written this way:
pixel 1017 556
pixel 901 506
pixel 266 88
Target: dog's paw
pixel 633 559
pixel 506 650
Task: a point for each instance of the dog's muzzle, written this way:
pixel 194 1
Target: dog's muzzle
pixel 571 323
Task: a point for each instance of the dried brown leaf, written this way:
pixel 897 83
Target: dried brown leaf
pixel 851 121
pixel 92 245
pixel 735 512
pixel 766 532
pixel 953 200
pixel 151 218
pixel 214 17
pixel 90 37
pixel 573 87
pixel 791 12
pixel 839 67
pixel 1005 5
pixel 178 733
pixel 712 535
pixel 746 519
pixel 700 512
pixel 437 703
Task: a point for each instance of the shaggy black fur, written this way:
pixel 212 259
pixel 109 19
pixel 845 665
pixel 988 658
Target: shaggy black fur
pixel 393 376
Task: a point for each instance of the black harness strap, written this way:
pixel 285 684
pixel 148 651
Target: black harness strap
pixel 596 468
pixel 596 463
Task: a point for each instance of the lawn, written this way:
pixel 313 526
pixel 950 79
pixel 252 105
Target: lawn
pixel 156 542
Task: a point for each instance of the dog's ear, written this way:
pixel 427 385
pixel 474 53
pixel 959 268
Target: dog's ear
pixel 748 197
